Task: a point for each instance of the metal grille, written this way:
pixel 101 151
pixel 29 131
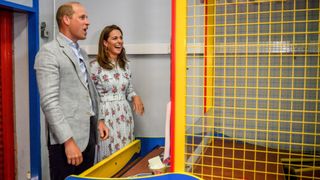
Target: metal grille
pixel 252 89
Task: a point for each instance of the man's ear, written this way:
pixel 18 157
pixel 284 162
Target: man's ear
pixel 66 20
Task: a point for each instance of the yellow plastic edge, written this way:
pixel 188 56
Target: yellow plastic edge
pixel 111 165
pixel 143 177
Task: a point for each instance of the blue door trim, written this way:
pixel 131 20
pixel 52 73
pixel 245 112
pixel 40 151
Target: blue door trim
pixel 34 106
pixel 35 140
pixel 18 7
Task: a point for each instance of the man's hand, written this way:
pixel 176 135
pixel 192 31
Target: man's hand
pixel 73 153
pixel 103 130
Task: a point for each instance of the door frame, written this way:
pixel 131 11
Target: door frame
pixel 34 105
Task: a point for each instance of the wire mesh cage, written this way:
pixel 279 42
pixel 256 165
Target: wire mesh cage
pixel 252 89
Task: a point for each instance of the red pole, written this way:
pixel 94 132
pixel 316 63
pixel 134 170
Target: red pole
pixel 6 84
pixel 172 89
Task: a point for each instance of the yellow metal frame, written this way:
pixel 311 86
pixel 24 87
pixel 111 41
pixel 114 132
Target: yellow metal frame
pixel 180 85
pixel 111 165
pixel 209 49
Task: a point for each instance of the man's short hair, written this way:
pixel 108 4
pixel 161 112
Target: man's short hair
pixel 64 10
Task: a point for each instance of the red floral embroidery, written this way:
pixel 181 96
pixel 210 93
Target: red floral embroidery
pixel 114 89
pixel 116 76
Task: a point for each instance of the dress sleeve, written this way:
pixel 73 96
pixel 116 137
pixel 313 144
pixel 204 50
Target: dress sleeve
pixel 130 91
pixel 95 76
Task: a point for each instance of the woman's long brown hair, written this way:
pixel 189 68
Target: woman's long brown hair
pixel 103 56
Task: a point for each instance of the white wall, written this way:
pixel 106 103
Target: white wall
pixel 151 77
pixel 21 95
pixel 144 22
pixel 46 14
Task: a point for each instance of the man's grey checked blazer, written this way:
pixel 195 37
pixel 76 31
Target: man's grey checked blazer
pixel 64 95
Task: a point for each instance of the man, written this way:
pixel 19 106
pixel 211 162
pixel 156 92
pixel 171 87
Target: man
pixel 68 97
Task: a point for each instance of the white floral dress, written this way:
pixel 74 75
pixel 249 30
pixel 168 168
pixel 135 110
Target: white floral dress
pixel 115 90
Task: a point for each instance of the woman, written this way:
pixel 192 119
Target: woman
pixel 112 77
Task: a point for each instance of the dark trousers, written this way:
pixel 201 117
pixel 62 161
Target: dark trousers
pixel 59 167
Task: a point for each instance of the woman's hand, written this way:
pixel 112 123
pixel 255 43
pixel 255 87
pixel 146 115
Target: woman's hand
pixel 138 105
pixel 103 130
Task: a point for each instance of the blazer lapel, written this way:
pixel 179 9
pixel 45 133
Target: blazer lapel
pixel 72 57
